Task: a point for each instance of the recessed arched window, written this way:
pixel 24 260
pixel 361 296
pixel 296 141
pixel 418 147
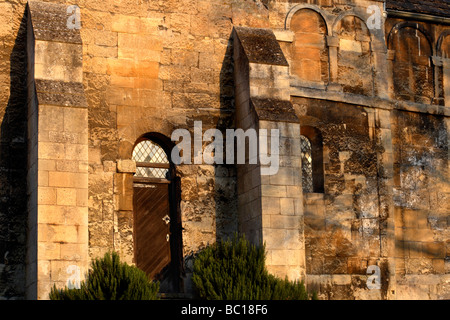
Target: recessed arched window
pixel 309 51
pixel 413 71
pixel 306 155
pixel 354 60
pixel 312 160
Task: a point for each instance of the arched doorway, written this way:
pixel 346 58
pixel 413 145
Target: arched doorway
pixel 156 219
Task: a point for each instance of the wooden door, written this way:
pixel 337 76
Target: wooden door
pixel 157 221
pixel 152 228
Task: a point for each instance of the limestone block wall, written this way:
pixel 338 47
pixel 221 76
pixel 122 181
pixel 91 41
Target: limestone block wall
pixel 345 226
pixel 248 188
pixel 331 46
pixel 269 203
pixel 282 206
pixel 421 191
pixel 155 66
pixel 58 175
pixel 420 70
pixel 381 195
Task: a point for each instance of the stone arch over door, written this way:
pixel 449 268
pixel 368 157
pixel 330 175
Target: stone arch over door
pixel 160 129
pixel 130 134
pixel 156 212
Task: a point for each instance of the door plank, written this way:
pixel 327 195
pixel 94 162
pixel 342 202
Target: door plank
pixel 152 250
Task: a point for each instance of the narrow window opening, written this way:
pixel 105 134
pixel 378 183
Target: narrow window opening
pixel 307 171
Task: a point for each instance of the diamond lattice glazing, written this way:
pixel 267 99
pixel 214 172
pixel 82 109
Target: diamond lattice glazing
pixel 306 155
pixel 150 152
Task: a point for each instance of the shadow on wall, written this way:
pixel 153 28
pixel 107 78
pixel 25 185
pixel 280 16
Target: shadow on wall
pixel 13 172
pixel 225 191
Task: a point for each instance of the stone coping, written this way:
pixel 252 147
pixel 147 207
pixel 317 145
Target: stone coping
pixel 261 46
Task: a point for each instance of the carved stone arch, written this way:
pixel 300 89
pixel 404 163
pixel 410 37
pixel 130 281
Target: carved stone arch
pixel 440 51
pixel 443 68
pixel 354 71
pixel 376 35
pixel 287 22
pixel 413 66
pixel 407 24
pixel 353 13
pixel 346 14
pixel 309 51
pixel 130 134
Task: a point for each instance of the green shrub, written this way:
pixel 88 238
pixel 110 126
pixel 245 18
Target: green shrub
pixel 235 270
pixel 110 279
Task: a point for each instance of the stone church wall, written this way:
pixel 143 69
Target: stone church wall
pixel 156 66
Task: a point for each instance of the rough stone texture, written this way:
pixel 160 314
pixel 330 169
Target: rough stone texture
pixel 355 73
pixel 50 23
pixel 412 62
pixel 260 46
pixel 421 194
pixel 154 66
pixel 343 228
pixel 275 110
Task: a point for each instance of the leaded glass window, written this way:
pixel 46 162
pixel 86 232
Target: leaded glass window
pixel 306 155
pixel 147 153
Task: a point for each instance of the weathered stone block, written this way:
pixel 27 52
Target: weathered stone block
pixel 287 207
pixel 46 195
pixel 65 65
pixel 51 150
pixel 285 222
pixel 42 179
pixel 270 205
pixel 77 216
pixel 433 249
pixel 285 258
pixel 68 179
pixel 49 250
pixel 273 191
pixel 126 166
pixel 82 197
pixel 132 24
pixel 124 184
pixel 75 152
pixel 73 252
pixel 57 233
pixel 140 47
pixel 284 177
pixel 282 238
pixel 66 196
pixel 439 266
